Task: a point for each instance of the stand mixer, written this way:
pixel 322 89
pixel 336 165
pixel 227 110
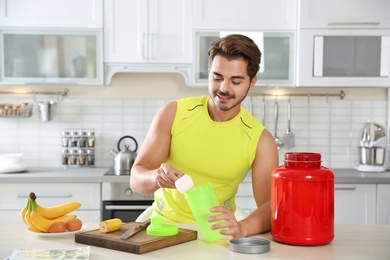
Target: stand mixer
pixel 372 149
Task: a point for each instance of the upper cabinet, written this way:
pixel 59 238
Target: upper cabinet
pixel 273 22
pixel 344 43
pixel 277 61
pixel 245 14
pixel 51 56
pixel 336 14
pixel 51 42
pixel 51 13
pixel 147 35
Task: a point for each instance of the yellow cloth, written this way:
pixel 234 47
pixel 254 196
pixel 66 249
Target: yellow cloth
pixel 208 151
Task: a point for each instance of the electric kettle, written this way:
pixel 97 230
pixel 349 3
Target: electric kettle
pixel 124 158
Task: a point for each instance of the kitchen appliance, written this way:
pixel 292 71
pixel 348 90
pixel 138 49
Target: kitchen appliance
pixel 119 201
pixel 372 150
pixel 124 158
pixel 342 57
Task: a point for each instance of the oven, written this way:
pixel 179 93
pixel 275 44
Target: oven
pixel 119 201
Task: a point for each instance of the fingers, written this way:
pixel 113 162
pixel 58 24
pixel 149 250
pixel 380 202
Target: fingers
pixel 167 175
pixel 227 223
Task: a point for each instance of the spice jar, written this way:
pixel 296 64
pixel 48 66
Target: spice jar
pixel 82 139
pixel 73 157
pixel 65 139
pixel 302 201
pixel 82 157
pixel 24 110
pixel 73 139
pixel 91 139
pixel 90 157
pixel 65 157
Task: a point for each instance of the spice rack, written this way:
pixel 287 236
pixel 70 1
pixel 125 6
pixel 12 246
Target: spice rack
pixel 15 110
pixel 78 148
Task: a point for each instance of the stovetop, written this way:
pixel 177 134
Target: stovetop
pixel 111 172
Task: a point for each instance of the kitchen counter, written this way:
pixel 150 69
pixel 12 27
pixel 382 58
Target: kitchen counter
pixel 354 176
pixel 55 174
pixel 351 242
pixel 96 174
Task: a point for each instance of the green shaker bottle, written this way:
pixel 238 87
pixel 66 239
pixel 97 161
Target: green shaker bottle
pixel 200 199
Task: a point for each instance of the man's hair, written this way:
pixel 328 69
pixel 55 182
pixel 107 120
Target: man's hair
pixel 237 47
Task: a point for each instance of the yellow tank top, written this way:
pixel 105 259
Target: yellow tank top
pixel 208 151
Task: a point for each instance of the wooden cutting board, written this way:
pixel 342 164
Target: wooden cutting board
pixel 138 244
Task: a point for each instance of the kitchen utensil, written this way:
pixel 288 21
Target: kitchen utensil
pixel 372 149
pixel 135 230
pixel 278 141
pixel 289 138
pixel 44 108
pixel 371 155
pixel 124 158
pixel 250 245
pixel 139 244
pixel 263 112
pixel 10 158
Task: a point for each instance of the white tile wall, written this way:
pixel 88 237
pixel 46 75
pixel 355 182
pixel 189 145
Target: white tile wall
pixel 332 128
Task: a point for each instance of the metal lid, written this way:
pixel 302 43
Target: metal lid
pixel 250 245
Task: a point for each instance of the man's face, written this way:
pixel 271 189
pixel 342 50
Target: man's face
pixel 228 82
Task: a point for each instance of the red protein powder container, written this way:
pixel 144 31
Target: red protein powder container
pixel 302 201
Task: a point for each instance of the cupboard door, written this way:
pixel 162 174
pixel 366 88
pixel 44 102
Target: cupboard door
pixel 245 14
pixel 344 14
pixel 355 203
pixel 52 13
pixel 153 31
pixel 383 204
pixel 125 29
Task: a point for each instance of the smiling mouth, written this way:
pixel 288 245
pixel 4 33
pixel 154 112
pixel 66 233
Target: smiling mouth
pixel 223 97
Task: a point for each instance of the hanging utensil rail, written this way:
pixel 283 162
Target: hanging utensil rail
pixel 57 93
pixel 341 95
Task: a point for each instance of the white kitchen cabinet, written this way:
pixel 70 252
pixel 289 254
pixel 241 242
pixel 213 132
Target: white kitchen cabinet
pixel 152 31
pixel 13 197
pixel 336 14
pixel 277 67
pixel 51 13
pixel 148 36
pixel 383 204
pixel 56 56
pixel 355 203
pixel 245 14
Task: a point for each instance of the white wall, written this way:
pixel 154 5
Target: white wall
pixel 331 127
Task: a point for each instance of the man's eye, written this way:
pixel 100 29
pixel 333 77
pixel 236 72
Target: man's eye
pixel 236 83
pixel 217 79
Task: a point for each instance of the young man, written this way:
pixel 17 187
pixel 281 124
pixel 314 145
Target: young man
pixel 211 139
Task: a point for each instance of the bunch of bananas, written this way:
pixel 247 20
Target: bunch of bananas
pixel 39 219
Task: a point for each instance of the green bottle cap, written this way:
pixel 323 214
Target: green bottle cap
pixel 158 228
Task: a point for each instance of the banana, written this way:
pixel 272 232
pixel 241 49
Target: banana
pixel 27 218
pixel 110 225
pixel 58 211
pixel 43 224
pixel 23 213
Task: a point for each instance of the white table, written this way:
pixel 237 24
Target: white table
pixel 351 242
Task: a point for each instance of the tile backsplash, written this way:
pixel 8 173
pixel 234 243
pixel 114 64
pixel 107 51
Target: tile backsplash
pixel 331 127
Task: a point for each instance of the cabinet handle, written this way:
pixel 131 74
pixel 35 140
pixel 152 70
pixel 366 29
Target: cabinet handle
pixel 124 207
pixel 345 188
pixel 23 196
pixel 145 39
pixel 353 23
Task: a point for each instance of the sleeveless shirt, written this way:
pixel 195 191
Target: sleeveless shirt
pixel 208 151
